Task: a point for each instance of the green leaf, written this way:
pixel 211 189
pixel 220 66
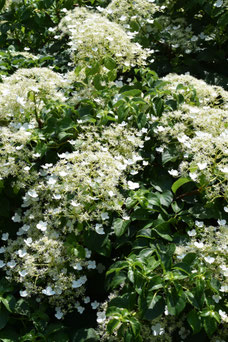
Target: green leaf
pixel 112 325
pixel 9 302
pixel 85 335
pixel 181 181
pixel 175 301
pixel 154 306
pixel 132 92
pixel 4 317
pixel 163 230
pixel 120 226
pixel 194 321
pixel 210 325
pixel 109 63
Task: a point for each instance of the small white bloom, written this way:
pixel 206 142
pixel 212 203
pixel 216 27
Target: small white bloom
pixel 99 229
pixel 209 259
pixel 25 227
pixel 56 196
pixel 91 264
pixel 216 298
pixel 23 273
pixel 101 317
pixel 224 288
pixel 51 180
pixel 28 241
pixel 77 266
pixel 80 309
pixel 2 264
pixel 59 313
pixel 63 173
pixel 193 176
pixel 104 216
pixel 11 263
pixel 16 218
pixel 199 224
pixel 42 226
pixel 199 244
pixel 218 3
pixel 74 204
pixel 159 149
pixel 191 232
pixel 132 185
pixel 22 253
pixel 221 222
pixel 23 293
pixel 111 193
pixel 2 250
pixel 173 173
pixel 86 300
pixel 226 209
pixel 48 291
pixel 32 193
pixel 202 166
pixel 94 305
pixel 88 253
pixel 5 236
pixel 157 329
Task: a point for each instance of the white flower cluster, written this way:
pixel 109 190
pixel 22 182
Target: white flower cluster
pixel 201 134
pixel 124 12
pixel 93 36
pixel 211 246
pixel 15 102
pixel 79 192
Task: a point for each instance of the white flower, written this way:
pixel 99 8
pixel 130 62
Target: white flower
pixel 77 266
pixel 22 253
pixel 16 218
pixel 193 176
pixel 23 273
pixel 5 236
pixel 199 224
pixel 173 172
pixel 59 313
pixel 48 291
pixel 226 209
pixel 51 180
pixel 199 244
pixel 86 300
pixel 221 222
pixel 157 329
pixel 209 259
pixel 192 232
pixel 218 3
pixel 111 193
pixel 202 166
pixel 2 249
pixel 2 264
pixel 63 173
pixel 25 227
pixel 28 241
pixel 42 226
pixel 91 265
pixel 11 263
pixel 216 298
pixel 78 283
pixel 222 314
pixel 80 309
pixel 104 216
pixel 74 204
pixel 88 253
pixel 32 193
pixel 23 293
pixel 224 288
pixel 99 229
pixel 159 149
pixel 94 305
pixel 56 196
pixel 101 317
pixel 132 185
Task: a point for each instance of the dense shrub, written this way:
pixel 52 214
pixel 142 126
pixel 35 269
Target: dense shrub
pixel 113 180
